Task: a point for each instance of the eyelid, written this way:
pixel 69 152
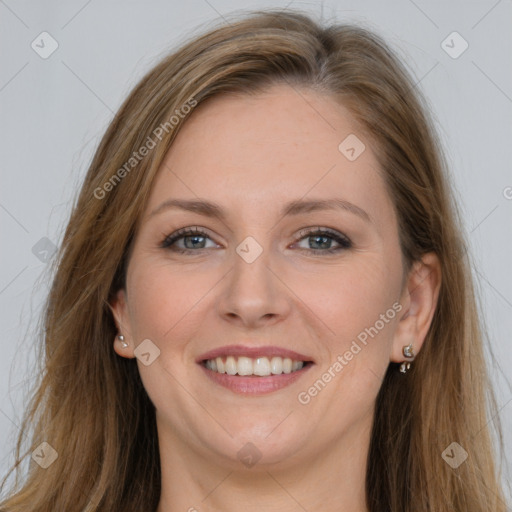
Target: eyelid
pixel 324 230
pixel 184 232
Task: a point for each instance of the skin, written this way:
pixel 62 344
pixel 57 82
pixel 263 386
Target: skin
pixel 251 154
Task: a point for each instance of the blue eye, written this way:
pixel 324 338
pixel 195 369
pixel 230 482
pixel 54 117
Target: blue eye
pixel 323 237
pixel 195 235
pixel 195 238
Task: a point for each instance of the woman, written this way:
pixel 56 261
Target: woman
pixel 263 296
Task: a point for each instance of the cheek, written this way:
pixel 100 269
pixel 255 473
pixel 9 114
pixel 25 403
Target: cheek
pixel 154 304
pixel 354 296
pixel 355 303
pixel 163 308
pixel 165 301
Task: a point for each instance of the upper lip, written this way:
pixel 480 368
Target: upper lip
pixel 253 352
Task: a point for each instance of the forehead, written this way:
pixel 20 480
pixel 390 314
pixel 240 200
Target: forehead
pixel 271 148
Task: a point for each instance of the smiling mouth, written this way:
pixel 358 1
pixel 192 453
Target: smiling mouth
pixel 254 367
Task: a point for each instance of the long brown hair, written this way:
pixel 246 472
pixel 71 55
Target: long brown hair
pixel 90 405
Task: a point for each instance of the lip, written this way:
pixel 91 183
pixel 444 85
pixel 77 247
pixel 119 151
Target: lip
pixel 253 352
pixel 254 385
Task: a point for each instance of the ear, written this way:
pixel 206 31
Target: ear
pixel 419 301
pixel 119 308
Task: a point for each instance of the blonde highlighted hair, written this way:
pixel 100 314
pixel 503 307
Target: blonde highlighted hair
pixel 90 404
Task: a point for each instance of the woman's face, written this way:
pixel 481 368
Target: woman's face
pixel 323 281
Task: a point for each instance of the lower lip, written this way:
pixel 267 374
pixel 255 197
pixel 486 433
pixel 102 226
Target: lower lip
pixel 255 385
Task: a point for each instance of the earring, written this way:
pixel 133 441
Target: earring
pixel 408 352
pixel 124 344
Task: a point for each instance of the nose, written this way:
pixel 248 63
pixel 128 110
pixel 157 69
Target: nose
pixel 253 294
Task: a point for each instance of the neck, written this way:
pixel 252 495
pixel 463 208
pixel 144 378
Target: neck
pixel 332 480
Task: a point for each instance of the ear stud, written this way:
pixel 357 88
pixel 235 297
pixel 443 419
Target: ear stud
pixel 409 353
pixel 124 343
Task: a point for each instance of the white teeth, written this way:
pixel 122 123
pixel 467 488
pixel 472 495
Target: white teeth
pixel 260 366
pixel 296 365
pixel 276 365
pixel 220 365
pixel 230 366
pixel 244 366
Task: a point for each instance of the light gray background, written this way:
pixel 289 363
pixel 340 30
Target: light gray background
pixel 54 110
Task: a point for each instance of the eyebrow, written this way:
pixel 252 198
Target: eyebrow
pixel 297 207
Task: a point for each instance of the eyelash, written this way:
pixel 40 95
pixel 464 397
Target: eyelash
pixel 342 240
